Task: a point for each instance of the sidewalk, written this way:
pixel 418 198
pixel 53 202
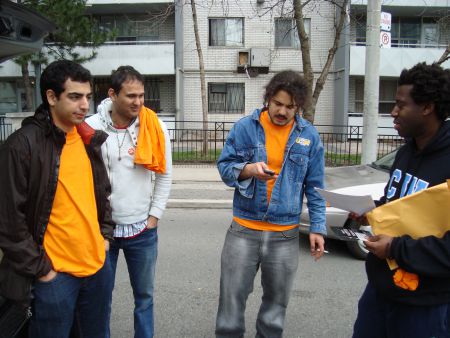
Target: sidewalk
pixel 199 187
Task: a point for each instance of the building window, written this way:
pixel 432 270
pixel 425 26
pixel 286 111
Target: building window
pixel 386 99
pixel 130 27
pixel 226 98
pixel 8 97
pixel 410 32
pixel 226 32
pixel 286 34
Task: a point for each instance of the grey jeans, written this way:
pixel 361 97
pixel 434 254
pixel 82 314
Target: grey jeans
pixel 244 252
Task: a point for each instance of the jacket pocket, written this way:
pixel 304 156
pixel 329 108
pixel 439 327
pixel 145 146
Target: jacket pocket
pixel 14 286
pixel 296 170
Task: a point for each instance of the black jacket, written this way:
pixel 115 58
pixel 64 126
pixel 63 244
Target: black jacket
pixel 30 160
pixel 428 257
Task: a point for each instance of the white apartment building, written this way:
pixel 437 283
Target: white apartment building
pixel 242 33
pixel 143 39
pixel 244 44
pixel 420 32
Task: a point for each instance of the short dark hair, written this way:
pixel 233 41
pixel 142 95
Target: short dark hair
pixel 124 74
pixel 57 73
pixel 431 84
pixel 292 83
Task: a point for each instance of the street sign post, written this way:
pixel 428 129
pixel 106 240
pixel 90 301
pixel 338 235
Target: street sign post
pixel 385 26
pixel 385 22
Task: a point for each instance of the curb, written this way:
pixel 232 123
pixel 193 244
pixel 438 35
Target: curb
pixel 199 204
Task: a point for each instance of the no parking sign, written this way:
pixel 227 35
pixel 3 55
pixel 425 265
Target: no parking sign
pixel 385 39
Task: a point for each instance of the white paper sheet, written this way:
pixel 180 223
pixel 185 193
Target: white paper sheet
pixel 357 204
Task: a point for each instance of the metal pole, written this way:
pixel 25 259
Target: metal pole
pixel 371 82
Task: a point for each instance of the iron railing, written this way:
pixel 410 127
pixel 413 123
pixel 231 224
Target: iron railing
pixel 342 144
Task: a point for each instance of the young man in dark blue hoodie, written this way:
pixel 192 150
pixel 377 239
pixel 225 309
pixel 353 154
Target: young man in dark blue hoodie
pixel 385 309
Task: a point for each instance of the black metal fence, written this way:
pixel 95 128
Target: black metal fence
pixel 342 144
pixel 5 129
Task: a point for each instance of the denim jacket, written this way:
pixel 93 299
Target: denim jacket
pixel 302 171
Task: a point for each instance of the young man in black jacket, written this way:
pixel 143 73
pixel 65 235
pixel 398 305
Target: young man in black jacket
pixel 385 309
pixel 55 217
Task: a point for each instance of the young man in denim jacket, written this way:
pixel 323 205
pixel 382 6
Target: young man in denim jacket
pixel 273 158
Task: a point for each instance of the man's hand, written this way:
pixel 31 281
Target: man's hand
pixel 106 245
pixel 256 170
pixel 317 245
pixel 48 277
pixel 152 222
pixel 379 245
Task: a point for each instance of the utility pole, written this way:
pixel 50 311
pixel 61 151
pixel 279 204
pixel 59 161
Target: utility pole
pixel 371 82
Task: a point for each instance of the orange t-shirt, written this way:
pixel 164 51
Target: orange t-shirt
pixel 276 139
pixel 73 241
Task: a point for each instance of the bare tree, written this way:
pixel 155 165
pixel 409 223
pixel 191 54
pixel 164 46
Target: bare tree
pixel 310 107
pixel 295 9
pixel 201 65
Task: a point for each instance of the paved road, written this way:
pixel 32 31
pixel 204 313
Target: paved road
pixel 323 302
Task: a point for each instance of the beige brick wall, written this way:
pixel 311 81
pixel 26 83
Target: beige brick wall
pixel 221 62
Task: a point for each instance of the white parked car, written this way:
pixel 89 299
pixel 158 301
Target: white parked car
pixel 352 180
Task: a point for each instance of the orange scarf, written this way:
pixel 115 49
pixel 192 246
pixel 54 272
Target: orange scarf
pixel 406 280
pixel 150 149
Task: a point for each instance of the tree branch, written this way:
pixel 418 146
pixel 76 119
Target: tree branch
pixel 445 56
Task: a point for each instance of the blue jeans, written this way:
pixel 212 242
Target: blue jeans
pixel 140 254
pixel 244 252
pixel 380 318
pixel 65 299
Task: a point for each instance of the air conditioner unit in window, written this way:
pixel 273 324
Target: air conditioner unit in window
pixel 259 57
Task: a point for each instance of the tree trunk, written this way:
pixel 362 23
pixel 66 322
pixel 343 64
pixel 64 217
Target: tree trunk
pixel 201 64
pixel 308 72
pixel 28 88
pixel 310 106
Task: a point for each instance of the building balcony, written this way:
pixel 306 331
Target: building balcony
pixel 394 60
pixel 125 2
pixel 149 58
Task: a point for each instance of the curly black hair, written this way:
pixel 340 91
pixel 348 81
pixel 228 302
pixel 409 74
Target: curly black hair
pixel 292 83
pixel 122 75
pixel 431 83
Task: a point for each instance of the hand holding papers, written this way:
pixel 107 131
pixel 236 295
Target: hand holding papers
pixel 356 204
pixel 421 214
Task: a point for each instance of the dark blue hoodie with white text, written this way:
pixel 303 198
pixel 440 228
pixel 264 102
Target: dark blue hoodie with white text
pixel 428 257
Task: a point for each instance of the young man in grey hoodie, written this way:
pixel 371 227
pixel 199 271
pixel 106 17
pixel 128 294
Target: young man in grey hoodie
pixel 136 205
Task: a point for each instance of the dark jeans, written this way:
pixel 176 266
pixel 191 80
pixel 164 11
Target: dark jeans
pixel 140 254
pixel 244 252
pixel 66 298
pixel 379 318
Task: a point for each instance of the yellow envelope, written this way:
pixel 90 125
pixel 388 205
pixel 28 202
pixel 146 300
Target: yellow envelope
pixel 418 215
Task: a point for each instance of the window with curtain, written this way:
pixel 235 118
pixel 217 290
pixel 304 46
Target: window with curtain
pixel 130 27
pixel 226 98
pixel 386 99
pixel 286 34
pixel 226 32
pixel 8 97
